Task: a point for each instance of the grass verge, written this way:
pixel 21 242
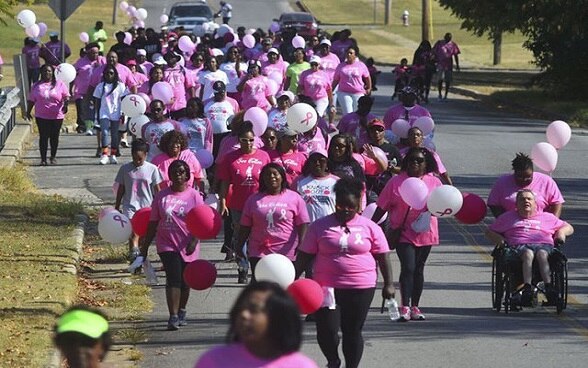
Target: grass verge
pixel 34 248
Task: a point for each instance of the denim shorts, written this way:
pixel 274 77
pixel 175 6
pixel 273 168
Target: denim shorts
pixel 519 248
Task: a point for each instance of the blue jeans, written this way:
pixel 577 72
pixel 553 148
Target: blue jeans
pixel 110 135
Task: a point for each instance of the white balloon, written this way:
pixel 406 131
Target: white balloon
pixel 26 18
pixel 275 268
pixel 445 201
pixel 65 72
pixel 133 106
pixel 163 18
pixel 369 210
pixel 136 124
pixel 33 31
pixel 141 13
pixel 114 227
pixel 301 117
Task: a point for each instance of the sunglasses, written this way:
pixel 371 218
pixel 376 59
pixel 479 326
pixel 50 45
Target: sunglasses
pixel 246 140
pixel 418 160
pixel 157 109
pixel 377 129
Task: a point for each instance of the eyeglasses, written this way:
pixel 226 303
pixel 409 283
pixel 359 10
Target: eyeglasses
pixel 246 140
pixel 418 160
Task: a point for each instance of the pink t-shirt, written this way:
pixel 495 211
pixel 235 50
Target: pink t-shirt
pixel 315 85
pixel 398 111
pixel 350 77
pixel 273 220
pixel 276 119
pixel 329 64
pixel 255 93
pixel 349 124
pixel 163 161
pixel 444 52
pixel 85 70
pixel 504 192
pixel 291 162
pixel 231 143
pixel 317 142
pixel 440 166
pixel 242 171
pixel 152 133
pixel 279 67
pixel 230 355
pixel 345 256
pixel 124 75
pixel 179 82
pixel 49 99
pixel 140 78
pixel 391 201
pixel 537 229
pixel 169 209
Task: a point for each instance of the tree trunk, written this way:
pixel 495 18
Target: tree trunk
pixel 497 41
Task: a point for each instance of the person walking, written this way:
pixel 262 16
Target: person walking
pixel 49 97
pixel 98 35
pixel 445 51
pixel 353 79
pixel 226 11
pixel 31 50
pixel 51 51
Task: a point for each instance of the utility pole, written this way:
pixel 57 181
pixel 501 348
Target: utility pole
pixel 114 11
pixel 387 6
pixel 427 21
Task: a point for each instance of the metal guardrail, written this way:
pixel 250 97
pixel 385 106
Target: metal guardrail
pixel 9 100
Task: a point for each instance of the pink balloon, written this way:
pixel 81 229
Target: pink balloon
pixel 128 38
pixel 205 158
pixel 185 44
pixel 258 117
pixel 123 5
pixel 42 29
pixel 145 97
pixel 162 91
pixel 273 86
pixel 400 128
pixel 33 31
pixel 425 124
pixel 249 41
pixel 414 192
pixel 84 37
pixel 274 27
pixel 380 153
pixel 139 24
pixel 163 18
pixel 298 41
pixel 276 77
pixel 558 134
pixel 544 155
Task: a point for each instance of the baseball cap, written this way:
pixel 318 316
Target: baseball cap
pixel 219 86
pixel 82 321
pixel 288 94
pixel 131 62
pixel 376 122
pixel 53 34
pixel 159 60
pixel 274 50
pixel 319 151
pixel 254 63
pixel 315 59
pixel 408 91
pixel 141 52
pixel 325 41
pixel 287 132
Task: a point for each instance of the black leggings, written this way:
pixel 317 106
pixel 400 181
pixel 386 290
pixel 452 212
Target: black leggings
pixel 352 309
pixel 412 267
pixel 48 134
pixel 174 266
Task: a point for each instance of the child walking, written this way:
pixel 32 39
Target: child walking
pixel 107 96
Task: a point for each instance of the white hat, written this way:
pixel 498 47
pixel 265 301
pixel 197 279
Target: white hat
pixel 141 52
pixel 159 60
pixel 325 41
pixel 315 59
pixel 274 50
pixel 289 94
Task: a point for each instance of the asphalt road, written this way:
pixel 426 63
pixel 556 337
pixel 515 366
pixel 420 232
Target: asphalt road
pixel 476 143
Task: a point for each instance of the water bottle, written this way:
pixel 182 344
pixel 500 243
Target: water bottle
pixel 392 306
pixel 150 274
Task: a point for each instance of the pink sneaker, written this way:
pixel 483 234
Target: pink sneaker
pixel 404 314
pixel 416 314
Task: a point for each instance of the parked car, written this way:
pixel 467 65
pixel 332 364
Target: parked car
pixel 195 17
pixel 304 23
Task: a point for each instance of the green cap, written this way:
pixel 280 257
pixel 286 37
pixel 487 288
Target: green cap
pixel 85 322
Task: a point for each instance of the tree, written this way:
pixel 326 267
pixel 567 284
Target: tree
pixel 492 18
pixel 6 10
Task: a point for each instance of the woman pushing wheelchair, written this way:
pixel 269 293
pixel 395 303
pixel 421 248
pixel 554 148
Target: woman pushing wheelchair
pixel 532 234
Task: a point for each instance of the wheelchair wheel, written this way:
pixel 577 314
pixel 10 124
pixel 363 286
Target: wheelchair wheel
pixel 507 288
pixel 497 286
pixel 560 281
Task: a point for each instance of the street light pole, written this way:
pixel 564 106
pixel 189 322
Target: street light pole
pixel 114 11
pixel 427 21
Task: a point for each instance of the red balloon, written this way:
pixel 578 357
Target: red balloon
pixel 473 209
pixel 308 294
pixel 204 222
pixel 200 274
pixel 140 221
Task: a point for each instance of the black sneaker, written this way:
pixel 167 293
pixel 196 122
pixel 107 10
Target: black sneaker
pixel 242 277
pixel 551 295
pixel 526 295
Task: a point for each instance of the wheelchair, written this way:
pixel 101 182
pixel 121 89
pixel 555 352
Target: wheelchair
pixel 507 275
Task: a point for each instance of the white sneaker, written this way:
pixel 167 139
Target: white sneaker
pixel 113 160
pixel 89 132
pixel 103 159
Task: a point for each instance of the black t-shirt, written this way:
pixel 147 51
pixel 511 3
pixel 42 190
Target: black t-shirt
pixel 347 169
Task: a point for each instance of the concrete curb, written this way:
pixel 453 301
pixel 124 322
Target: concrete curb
pixel 77 241
pixel 14 147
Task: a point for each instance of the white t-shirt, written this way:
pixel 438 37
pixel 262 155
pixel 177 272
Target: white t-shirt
pixel 234 79
pixel 207 78
pixel 219 113
pixel 318 194
pixel 110 102
pixel 227 11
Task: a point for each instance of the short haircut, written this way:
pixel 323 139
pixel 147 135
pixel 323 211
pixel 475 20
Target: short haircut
pixel 139 145
pixel 522 162
pixel 430 163
pixel 284 327
pixel 264 172
pixel 523 191
pixel 348 186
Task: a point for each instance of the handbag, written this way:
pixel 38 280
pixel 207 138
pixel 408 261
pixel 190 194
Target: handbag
pixel 393 235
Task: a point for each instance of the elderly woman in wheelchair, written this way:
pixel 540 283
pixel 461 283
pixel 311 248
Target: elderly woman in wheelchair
pixel 528 234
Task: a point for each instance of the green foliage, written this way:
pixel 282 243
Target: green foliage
pixel 6 10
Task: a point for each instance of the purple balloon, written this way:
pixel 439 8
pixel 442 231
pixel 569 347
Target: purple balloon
pixel 205 158
pixel 425 124
pixel 162 91
pixel 258 117
pixel 414 192
pixel 42 29
pixel 400 128
pixel 298 42
pixel 274 27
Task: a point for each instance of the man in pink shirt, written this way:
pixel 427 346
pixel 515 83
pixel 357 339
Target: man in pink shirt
pixel 175 75
pixel 355 123
pixel 86 67
pixel 445 50
pixel 532 234
pixel 407 109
